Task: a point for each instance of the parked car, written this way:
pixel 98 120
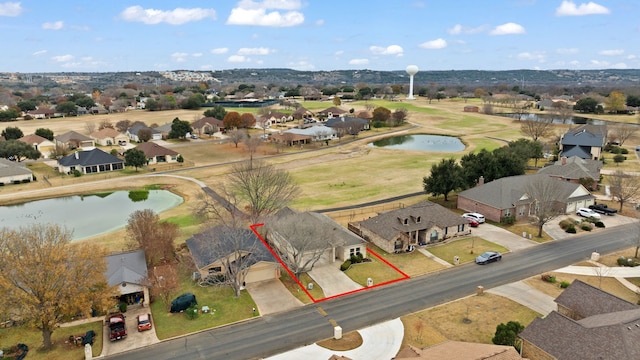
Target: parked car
pixel 603 209
pixel 117 327
pixel 472 222
pixel 488 256
pixel 144 322
pixel 587 213
pixel 475 216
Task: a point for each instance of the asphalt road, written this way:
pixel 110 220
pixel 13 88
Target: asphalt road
pixel 277 333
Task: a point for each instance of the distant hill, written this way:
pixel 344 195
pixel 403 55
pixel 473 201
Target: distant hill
pixel 289 77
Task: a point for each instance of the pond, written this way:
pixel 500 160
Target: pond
pixel 421 142
pixel 87 215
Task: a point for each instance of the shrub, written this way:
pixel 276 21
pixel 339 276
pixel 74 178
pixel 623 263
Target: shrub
pixel 564 284
pixel 624 151
pixel 548 278
pixel 353 258
pixel 599 224
pixel 586 226
pixel 345 265
pixel 571 229
pixel 122 307
pixel 566 223
pixel 360 257
pixel 622 261
pixel 76 173
pixel 191 312
pixel 508 220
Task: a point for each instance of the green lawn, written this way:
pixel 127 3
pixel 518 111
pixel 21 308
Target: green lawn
pixel 466 249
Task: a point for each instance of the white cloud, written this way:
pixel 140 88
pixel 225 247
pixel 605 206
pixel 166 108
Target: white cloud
pixel 198 54
pixel 176 16
pixel 631 57
pixel 619 66
pixel 57 25
pixel 567 51
pixel 535 56
pixel 39 52
pixel 434 44
pixel 179 56
pixel 301 66
pixel 461 29
pixel 319 22
pixel 614 52
pixel 254 51
pixel 10 9
pixel 508 29
pixel 217 51
pixel 358 61
pixel 80 27
pixel 249 12
pixel 339 52
pixel 238 59
pixel 569 8
pixel 389 50
pixel 62 58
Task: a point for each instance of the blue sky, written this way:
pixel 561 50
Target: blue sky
pixel 140 35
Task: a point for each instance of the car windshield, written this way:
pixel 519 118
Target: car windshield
pixel 486 255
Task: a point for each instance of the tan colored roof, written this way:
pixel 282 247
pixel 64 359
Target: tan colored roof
pixel 460 350
pixel 152 149
pixel 105 133
pixel 33 139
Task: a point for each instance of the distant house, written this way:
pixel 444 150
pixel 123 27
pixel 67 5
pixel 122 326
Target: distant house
pixel 207 125
pixel 45 146
pixel 109 137
pixel 589 324
pixel 164 130
pixel 135 130
pixel 74 140
pixel 459 350
pixel 90 162
pixel 275 117
pixel 584 141
pixel 508 197
pixel 331 112
pixel 301 112
pixel 12 172
pixel 211 251
pixel 157 154
pixel 573 169
pixel 128 271
pixel 471 108
pixel 317 231
pixel 290 139
pixel 398 230
pixel 317 133
pixel 347 125
pixel 41 113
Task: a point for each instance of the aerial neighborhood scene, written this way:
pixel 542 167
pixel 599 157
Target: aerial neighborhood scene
pixel 310 180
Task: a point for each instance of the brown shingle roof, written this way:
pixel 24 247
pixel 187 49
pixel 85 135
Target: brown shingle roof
pixel 105 133
pixel 33 139
pixel 152 149
pixel 461 351
pixel 586 300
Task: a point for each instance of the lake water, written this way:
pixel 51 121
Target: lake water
pixel 421 142
pixel 86 215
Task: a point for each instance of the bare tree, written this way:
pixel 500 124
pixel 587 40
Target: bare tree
pixel 105 124
pixel 252 144
pixel 90 127
pixel 262 188
pixel 537 129
pixel 123 125
pixel 237 136
pixel 399 116
pixel 622 133
pixel 562 110
pixel 623 187
pixel 154 237
pixel 545 192
pixel 164 283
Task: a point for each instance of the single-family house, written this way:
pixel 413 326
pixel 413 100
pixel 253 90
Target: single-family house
pixel 459 350
pixel 109 137
pixel 317 132
pixel 157 154
pixel 308 238
pixel 290 139
pixel 403 229
pixel 574 169
pixel 364 114
pixel 90 162
pixel 128 271
pixel 508 196
pixel 45 146
pixel 214 250
pixel 41 113
pixel 471 108
pixel 301 112
pixel 74 140
pixel 275 117
pixel 164 130
pixel 207 125
pixel 133 133
pixel 347 125
pixel 333 111
pixel 585 141
pixel 589 324
pixel 12 172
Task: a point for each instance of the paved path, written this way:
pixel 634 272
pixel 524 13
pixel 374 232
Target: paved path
pixel 524 294
pixel 272 296
pixel 434 258
pixel 379 342
pixel 332 280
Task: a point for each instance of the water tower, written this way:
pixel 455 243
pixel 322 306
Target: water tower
pixel 411 70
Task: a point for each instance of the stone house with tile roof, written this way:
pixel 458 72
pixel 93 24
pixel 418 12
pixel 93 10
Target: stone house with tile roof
pixel 311 238
pixel 574 169
pixel 207 125
pixel 157 154
pixel 589 324
pixel 584 141
pixel 45 146
pixel 420 224
pixel 214 249
pixel 508 197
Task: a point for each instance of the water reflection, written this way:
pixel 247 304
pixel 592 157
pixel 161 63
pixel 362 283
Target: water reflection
pixel 421 142
pixel 87 215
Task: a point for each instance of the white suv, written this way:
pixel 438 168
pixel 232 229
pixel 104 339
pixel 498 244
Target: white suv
pixel 588 213
pixel 475 216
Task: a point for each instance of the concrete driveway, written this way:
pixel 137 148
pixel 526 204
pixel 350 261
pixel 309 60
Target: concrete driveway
pixel 272 296
pixel 134 338
pixel 332 280
pixel 502 237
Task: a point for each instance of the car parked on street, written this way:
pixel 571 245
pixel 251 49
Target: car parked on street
pixel 144 322
pixel 587 213
pixel 488 256
pixel 475 216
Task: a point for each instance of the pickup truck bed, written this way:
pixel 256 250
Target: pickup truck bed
pixel 603 209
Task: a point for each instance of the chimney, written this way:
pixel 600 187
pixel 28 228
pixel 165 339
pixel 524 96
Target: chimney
pixel 481 180
pixel 564 160
pixel 76 155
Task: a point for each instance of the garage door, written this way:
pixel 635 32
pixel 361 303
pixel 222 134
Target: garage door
pixel 261 272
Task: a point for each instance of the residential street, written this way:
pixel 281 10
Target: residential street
pixel 277 333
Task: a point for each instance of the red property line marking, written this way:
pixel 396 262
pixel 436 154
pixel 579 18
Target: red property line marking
pixel 403 277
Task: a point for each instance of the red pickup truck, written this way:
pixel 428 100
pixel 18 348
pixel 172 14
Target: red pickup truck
pixel 117 327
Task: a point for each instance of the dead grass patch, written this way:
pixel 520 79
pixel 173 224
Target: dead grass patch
pixel 296 291
pixel 608 284
pixel 348 341
pixel 467 249
pixel 413 264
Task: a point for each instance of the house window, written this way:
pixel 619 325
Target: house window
pixel 460 227
pixel 434 235
pixel 521 210
pixel 352 252
pixel 507 212
pixel 215 270
pixel 406 221
pixel 418 219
